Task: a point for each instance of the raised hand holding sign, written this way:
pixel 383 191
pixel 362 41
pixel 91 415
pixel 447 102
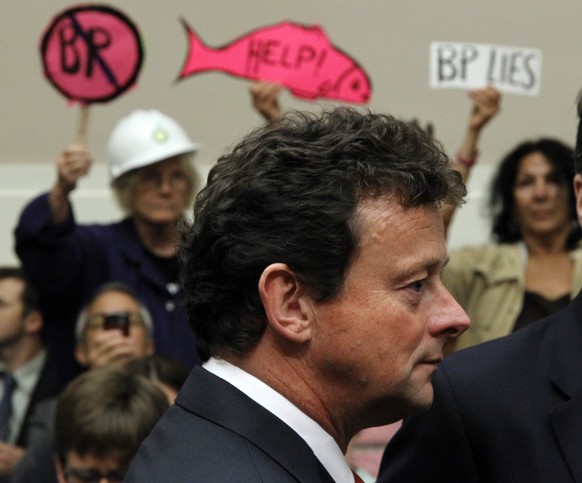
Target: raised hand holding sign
pixel 297 56
pixel 513 70
pixel 91 53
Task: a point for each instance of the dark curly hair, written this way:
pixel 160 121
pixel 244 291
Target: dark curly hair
pixel 288 193
pixel 502 201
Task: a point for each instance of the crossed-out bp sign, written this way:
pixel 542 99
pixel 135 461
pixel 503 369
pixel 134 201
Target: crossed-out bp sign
pixel 91 53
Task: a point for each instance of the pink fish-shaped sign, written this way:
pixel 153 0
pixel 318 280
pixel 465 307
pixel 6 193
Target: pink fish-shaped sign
pixel 297 56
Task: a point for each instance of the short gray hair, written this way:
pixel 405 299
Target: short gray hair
pixel 83 318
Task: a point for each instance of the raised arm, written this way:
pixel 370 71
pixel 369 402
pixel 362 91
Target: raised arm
pixel 486 105
pixel 72 164
pixel 265 99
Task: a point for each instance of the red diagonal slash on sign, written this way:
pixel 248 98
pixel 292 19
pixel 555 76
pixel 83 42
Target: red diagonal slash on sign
pixel 91 53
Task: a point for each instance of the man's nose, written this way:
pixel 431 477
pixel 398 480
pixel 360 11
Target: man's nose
pixel 452 320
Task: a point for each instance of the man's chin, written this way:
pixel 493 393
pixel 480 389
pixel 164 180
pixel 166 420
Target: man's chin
pixel 418 402
pixel 422 400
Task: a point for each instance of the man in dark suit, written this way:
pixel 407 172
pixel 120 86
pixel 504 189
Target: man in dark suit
pixel 311 276
pixel 27 372
pixel 506 411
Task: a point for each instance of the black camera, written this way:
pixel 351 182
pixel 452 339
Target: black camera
pixel 117 320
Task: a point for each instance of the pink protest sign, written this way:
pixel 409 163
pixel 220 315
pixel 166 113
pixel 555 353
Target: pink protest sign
pixel 297 56
pixel 91 53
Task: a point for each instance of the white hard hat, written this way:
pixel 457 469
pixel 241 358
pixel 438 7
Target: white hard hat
pixel 143 138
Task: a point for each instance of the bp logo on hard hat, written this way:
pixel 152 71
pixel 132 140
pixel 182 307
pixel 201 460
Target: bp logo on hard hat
pixel 160 135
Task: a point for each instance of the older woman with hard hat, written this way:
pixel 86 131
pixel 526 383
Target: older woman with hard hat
pixel 151 175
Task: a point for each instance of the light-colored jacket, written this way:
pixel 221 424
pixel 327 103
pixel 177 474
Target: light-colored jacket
pixel 488 281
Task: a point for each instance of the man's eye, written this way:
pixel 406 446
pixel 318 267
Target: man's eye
pixel 418 285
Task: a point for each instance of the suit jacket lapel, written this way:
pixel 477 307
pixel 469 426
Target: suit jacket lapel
pixel 566 375
pixel 567 422
pixel 214 399
pixel 45 388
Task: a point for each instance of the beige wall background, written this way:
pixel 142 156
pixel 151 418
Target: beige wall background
pixel 390 38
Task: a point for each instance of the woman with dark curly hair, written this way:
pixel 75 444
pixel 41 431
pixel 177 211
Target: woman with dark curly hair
pixel 534 266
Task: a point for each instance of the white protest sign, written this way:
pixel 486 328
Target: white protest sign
pixel 514 70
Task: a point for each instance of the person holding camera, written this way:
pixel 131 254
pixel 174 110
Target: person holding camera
pixel 114 327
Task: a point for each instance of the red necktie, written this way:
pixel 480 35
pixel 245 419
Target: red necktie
pixel 357 479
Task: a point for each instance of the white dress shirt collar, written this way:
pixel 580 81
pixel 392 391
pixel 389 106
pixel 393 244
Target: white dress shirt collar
pixel 321 443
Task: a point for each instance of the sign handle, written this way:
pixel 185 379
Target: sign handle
pixel 83 123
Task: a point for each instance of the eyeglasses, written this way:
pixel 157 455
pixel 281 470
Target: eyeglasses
pixel 155 179
pixel 79 475
pixel 115 320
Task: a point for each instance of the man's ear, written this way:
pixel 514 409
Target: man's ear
pixel 286 303
pixel 578 193
pixel 33 322
pixel 81 354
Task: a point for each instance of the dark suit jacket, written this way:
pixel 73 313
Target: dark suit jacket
pixel 505 411
pixel 38 464
pixel 46 388
pixel 215 433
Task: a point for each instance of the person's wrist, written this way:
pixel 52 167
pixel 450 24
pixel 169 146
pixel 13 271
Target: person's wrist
pixel 274 115
pixel 63 188
pixel 476 126
pixel 467 161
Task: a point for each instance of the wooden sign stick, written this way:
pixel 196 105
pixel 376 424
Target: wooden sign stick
pixel 83 123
